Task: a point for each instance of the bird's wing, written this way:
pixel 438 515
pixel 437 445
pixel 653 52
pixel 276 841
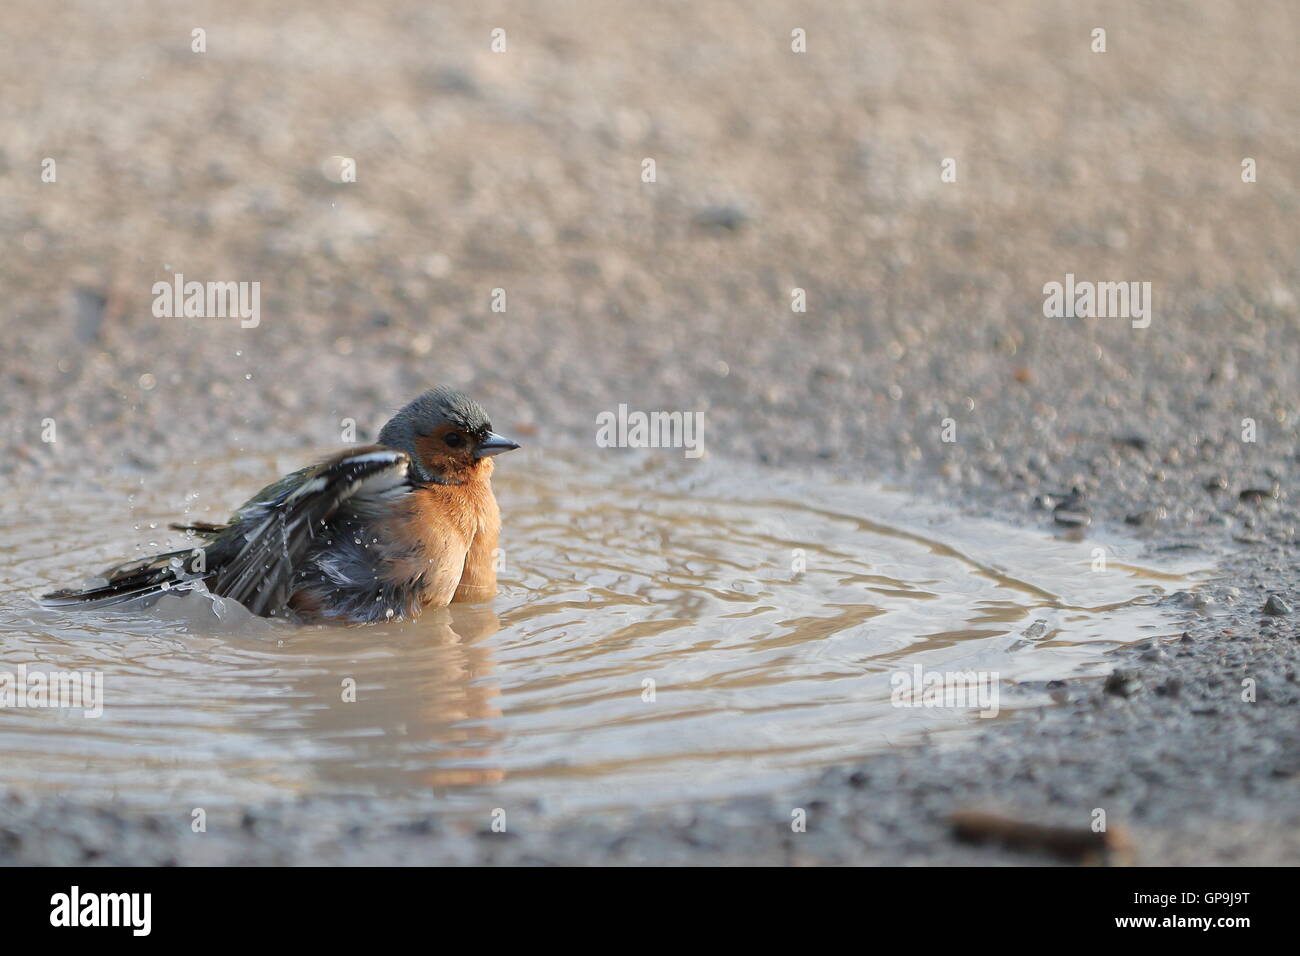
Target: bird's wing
pixel 254 560
pixel 204 529
pixel 138 578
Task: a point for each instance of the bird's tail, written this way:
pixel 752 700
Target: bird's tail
pixel 135 579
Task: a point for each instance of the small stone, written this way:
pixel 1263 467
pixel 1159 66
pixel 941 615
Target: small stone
pixel 1118 683
pixel 1276 607
pixel 1136 442
pixel 1257 496
pixel 1073 512
pixel 1147 518
pixel 730 218
pixel 1035 630
pixel 1191 599
pixel 89 306
pixel 1071 518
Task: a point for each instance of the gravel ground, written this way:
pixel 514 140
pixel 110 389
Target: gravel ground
pixel 775 170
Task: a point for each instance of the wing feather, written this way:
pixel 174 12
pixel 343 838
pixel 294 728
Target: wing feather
pixel 254 558
pixel 257 558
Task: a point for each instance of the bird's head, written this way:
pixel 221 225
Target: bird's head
pixel 448 436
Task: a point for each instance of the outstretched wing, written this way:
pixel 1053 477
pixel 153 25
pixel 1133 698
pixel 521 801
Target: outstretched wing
pixel 254 560
pixel 254 557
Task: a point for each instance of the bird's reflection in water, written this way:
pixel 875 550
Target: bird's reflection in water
pixel 418 699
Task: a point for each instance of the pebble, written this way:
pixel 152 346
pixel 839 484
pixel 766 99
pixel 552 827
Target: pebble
pixel 1276 607
pixel 1071 517
pixel 1257 496
pixel 1119 683
pixel 729 218
pixel 1146 518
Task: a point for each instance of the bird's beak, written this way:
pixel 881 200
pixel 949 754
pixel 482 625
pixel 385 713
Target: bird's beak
pixel 494 444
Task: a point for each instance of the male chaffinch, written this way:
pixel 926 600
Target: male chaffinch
pixel 374 533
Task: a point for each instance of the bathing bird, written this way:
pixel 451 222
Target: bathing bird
pixel 369 534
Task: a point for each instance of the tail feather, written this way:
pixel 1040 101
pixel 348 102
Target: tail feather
pixel 137 565
pixel 204 528
pixel 111 594
pixel 142 577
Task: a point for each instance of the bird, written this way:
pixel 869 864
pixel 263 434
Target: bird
pixel 374 533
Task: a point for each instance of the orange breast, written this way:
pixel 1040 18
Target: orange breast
pixel 447 536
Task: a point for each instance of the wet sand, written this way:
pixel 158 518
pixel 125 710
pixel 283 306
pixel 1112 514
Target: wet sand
pixel 775 171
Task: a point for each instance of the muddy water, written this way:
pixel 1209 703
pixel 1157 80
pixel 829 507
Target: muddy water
pixel 666 630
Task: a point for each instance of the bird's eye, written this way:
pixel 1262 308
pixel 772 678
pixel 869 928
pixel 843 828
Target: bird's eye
pixel 454 440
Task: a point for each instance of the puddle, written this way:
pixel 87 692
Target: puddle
pixel 769 614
